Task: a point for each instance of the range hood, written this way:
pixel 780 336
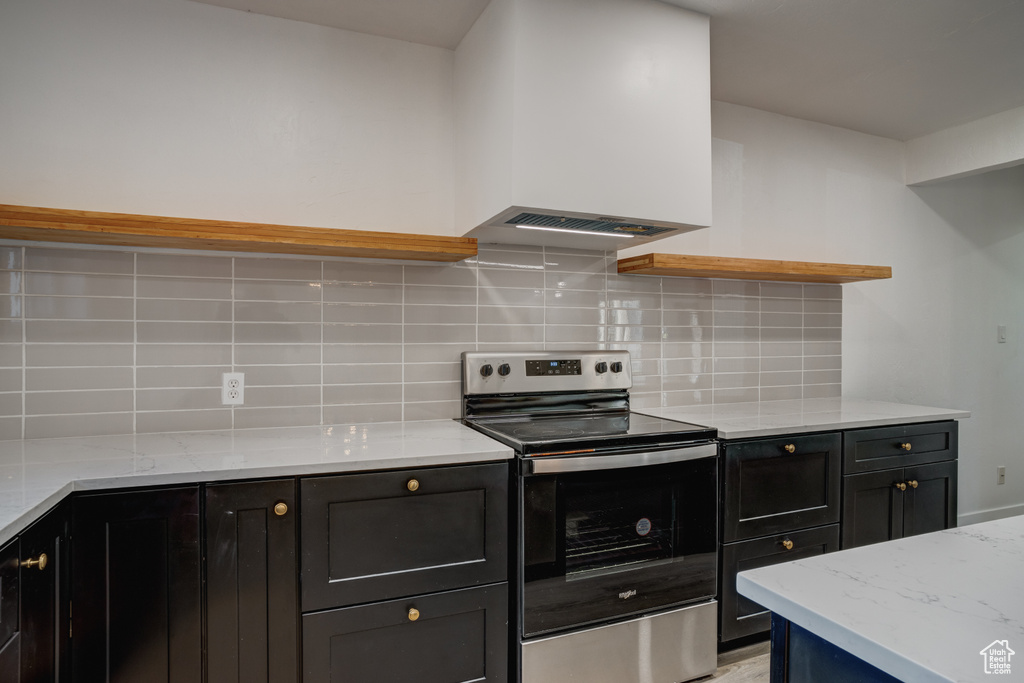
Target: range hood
pixel 583 123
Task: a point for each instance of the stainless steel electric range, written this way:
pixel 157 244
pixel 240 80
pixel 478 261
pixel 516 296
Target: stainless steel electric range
pixel 616 519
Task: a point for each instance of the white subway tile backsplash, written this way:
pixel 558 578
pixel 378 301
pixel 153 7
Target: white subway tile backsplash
pixel 114 341
pixel 258 268
pixel 79 260
pixel 78 285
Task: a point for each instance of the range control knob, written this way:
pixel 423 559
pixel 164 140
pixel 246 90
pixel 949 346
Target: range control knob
pixel 486 370
pixel 616 366
pixel 601 368
pixel 504 369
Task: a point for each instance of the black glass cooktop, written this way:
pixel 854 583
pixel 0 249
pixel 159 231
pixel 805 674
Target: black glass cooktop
pixel 550 434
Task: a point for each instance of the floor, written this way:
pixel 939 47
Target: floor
pixel 744 665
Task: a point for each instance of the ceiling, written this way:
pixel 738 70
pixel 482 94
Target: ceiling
pixel 895 68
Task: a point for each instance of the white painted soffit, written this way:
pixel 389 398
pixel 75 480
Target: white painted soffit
pixel 988 144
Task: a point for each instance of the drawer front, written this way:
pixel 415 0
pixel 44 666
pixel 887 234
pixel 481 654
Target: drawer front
pixel 767 489
pixel 869 450
pixel 456 636
pixel 739 616
pixel 370 537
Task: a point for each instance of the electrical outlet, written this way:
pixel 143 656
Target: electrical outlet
pixel 232 389
pixel 1001 474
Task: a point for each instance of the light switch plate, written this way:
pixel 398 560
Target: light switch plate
pixel 1001 334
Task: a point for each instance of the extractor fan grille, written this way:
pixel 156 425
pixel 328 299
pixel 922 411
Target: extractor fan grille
pixel 588 225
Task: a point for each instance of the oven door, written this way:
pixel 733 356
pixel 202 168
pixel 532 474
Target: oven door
pixel 601 544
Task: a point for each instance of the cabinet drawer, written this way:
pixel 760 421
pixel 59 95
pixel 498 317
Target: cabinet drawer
pixel 370 537
pixel 739 616
pixel 868 450
pixel 456 636
pixel 767 489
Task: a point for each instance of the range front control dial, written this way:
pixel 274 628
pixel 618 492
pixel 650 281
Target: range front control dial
pixel 601 368
pixel 616 366
pixel 486 370
pixel 504 369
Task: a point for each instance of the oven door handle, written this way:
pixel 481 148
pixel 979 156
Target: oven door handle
pixel 591 463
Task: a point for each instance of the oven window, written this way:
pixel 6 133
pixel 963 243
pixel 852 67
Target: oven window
pixel 614 528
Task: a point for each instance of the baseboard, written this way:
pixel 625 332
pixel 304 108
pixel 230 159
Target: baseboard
pixel 989 515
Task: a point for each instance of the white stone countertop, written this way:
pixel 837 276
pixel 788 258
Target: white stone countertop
pixel 777 418
pixel 921 608
pixel 35 474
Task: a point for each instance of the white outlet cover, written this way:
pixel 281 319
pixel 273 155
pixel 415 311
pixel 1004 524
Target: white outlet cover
pixel 232 392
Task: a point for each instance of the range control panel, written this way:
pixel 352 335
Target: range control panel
pixel 553 367
pixel 540 371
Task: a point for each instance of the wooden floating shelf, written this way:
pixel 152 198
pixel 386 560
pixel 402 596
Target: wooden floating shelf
pixel 750 269
pixel 128 230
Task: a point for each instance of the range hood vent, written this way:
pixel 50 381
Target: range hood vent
pixel 588 121
pixel 600 225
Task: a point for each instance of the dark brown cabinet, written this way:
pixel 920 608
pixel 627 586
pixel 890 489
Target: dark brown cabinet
pixel 404 576
pixel 45 598
pixel 369 537
pixel 882 502
pixel 252 604
pixel 446 637
pixel 10 628
pixel 741 616
pixel 777 485
pixel 34 618
pixel 780 502
pixel 136 587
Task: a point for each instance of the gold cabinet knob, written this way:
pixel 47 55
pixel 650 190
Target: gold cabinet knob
pixel 906 446
pixel 414 614
pixel 901 486
pixel 39 563
pixel 281 509
pixel 787 544
pixel 789 448
pixel 412 485
pixel 912 483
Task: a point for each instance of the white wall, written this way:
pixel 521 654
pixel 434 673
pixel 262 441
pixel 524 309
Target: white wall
pixel 791 189
pixel 177 108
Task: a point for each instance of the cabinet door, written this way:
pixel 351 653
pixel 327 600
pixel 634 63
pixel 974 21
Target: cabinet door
pixel 931 505
pixel 872 507
pixel 740 616
pixel 774 485
pixel 370 537
pixel 136 607
pixel 10 634
pixel 45 598
pixel 440 638
pixel 252 603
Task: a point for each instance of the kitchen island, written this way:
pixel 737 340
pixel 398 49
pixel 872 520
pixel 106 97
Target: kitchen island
pixel 945 606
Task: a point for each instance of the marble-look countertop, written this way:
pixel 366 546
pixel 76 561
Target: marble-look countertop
pixel 777 418
pixel 36 474
pixel 921 608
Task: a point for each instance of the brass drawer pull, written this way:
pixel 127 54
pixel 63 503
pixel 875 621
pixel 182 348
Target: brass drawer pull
pixel 901 486
pixel 906 446
pixel 912 483
pixel 281 509
pixel 412 485
pixel 39 562
pixel 789 448
pixel 414 614
pixel 787 544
